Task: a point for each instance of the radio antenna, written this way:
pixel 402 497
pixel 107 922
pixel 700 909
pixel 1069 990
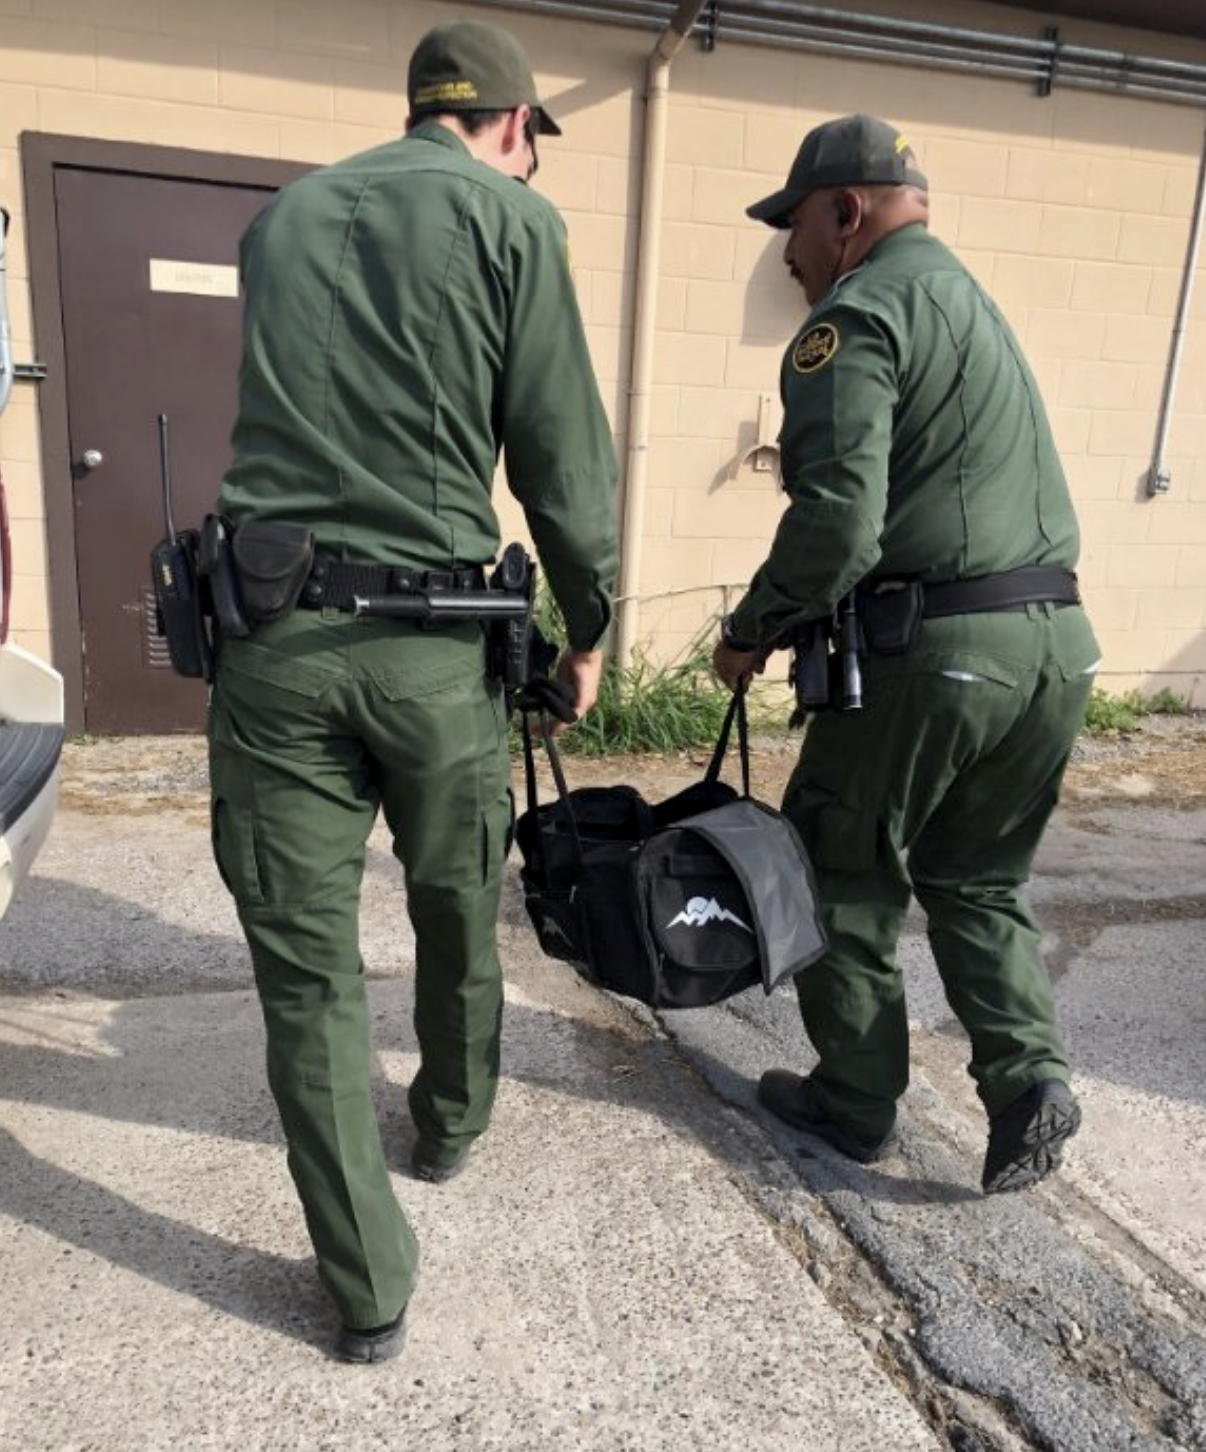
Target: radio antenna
pixel 166 476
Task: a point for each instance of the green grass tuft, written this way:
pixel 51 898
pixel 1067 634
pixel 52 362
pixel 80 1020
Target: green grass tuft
pixel 646 707
pixel 1106 713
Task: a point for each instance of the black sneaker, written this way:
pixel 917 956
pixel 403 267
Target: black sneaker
pixel 377 1343
pixel 1026 1139
pixel 794 1099
pixel 428 1164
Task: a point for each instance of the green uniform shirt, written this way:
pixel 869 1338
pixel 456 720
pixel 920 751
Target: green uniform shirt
pixel 409 313
pixel 914 442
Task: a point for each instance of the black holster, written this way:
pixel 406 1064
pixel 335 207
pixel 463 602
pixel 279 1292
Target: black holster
pixel 517 650
pixel 809 673
pixel 826 669
pixel 215 565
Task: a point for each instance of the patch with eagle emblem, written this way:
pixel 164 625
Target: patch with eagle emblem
pixel 815 348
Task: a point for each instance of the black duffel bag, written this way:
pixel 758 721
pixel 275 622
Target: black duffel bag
pixel 679 904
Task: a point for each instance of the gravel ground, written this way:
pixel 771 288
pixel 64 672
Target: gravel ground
pixel 1163 760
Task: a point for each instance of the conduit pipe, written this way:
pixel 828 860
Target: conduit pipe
pixel 1159 479
pixel 6 346
pixel 1045 61
pixel 649 247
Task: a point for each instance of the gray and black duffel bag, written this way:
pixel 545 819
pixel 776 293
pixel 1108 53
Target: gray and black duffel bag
pixel 680 904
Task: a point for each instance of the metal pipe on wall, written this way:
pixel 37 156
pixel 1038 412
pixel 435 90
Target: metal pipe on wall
pixel 1042 62
pixel 789 24
pixel 6 347
pixel 648 268
pixel 1159 479
pixel 636 13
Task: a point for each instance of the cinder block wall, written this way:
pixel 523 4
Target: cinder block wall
pixel 1073 210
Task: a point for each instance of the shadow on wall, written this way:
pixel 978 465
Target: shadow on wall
pixel 1185 671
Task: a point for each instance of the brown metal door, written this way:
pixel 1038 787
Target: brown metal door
pixel 151 324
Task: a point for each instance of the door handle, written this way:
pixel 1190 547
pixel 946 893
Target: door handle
pixel 92 458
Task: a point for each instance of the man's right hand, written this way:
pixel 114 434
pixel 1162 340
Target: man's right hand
pixel 580 671
pixel 737 668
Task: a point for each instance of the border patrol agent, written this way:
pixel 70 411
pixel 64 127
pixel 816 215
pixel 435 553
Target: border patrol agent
pixel 409 312
pixel 923 478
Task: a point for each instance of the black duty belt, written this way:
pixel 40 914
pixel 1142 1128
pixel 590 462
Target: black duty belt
pixel 1010 590
pixel 336 584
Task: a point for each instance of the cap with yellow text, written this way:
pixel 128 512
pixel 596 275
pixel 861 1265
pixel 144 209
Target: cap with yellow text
pixel 850 151
pixel 472 66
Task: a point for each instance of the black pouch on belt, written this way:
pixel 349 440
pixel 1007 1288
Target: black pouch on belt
pixel 890 614
pixel 273 560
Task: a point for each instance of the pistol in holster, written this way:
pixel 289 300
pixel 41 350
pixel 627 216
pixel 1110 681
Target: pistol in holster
pixel 517 648
pixel 826 669
pixel 216 567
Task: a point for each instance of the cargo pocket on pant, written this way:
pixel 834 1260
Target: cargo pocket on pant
pixel 497 798
pixel 498 832
pixel 838 835
pixel 232 833
pixel 844 838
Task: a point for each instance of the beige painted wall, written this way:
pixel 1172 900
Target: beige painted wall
pixel 1073 210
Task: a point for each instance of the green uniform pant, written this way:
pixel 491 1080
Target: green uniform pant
pixel 316 722
pixel 939 788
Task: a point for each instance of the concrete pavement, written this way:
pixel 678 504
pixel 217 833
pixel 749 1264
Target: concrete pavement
pixel 635 1259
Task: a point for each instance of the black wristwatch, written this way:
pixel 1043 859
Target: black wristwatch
pixel 730 637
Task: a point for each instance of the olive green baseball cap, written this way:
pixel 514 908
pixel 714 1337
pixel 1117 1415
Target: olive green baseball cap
pixel 842 153
pixel 472 66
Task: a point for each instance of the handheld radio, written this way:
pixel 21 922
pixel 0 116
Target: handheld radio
pixel 177 585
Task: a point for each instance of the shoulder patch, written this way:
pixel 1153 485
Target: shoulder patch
pixel 815 348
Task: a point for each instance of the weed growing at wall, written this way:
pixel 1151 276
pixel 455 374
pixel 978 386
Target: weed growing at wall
pixel 648 707
pixel 1108 713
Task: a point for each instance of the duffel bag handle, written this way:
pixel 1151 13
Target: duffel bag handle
pixel 736 710
pixel 529 771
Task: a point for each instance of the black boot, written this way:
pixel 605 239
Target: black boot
pixel 377 1343
pixel 794 1099
pixel 1026 1139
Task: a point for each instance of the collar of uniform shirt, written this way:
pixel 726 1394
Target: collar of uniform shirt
pixel 429 129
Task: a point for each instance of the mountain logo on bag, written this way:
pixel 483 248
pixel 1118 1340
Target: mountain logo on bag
pixel 701 911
